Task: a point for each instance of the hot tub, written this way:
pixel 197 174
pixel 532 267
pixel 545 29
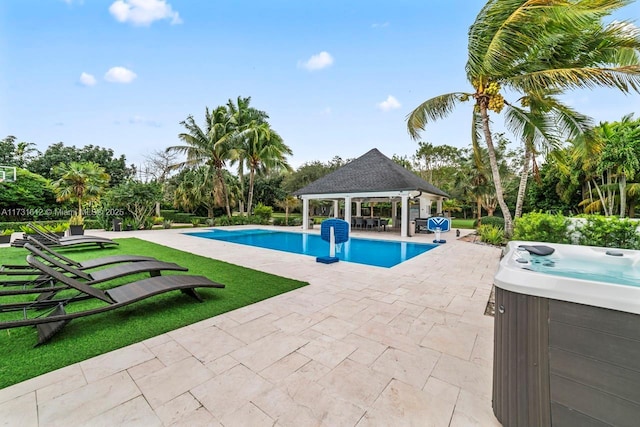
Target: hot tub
pixel 567 336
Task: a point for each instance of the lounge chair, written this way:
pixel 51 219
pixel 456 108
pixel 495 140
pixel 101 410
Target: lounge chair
pixel 115 298
pixel 51 239
pixel 45 286
pixel 23 270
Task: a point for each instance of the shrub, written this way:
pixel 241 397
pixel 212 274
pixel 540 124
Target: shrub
pixel 542 227
pixel 148 223
pixel 610 232
pixel 239 220
pixel 279 221
pixel 263 212
pixel 157 220
pixel 496 221
pixel 166 224
pixel 210 222
pixel 491 234
pixel 195 222
pixel 223 220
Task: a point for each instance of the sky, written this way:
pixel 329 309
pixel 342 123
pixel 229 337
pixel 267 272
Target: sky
pixel 336 77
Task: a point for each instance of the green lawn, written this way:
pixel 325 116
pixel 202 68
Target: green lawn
pixel 93 335
pixel 462 223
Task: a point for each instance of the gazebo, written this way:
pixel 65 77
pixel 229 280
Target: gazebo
pixel 373 177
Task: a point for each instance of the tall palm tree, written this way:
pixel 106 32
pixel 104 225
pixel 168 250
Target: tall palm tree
pixel 530 46
pixel 210 146
pixel 79 182
pixel 542 127
pixel 242 116
pixel 263 150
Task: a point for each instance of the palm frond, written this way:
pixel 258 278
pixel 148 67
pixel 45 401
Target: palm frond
pixel 433 109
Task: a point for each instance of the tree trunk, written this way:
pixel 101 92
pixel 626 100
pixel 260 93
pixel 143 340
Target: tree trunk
pixel 479 207
pixel 623 194
pixel 157 208
pixel 524 176
pixel 286 215
pixel 508 221
pixel 602 201
pixel 224 191
pixel 251 178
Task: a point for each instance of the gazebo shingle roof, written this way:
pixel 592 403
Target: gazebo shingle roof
pixel 371 172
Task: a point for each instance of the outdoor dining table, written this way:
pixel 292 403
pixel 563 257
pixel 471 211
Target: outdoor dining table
pixel 377 223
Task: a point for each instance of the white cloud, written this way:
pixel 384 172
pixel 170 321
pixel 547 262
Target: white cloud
pixel 317 62
pixel 139 120
pixel 120 75
pixel 391 103
pixel 143 12
pixel 87 79
pixel 383 25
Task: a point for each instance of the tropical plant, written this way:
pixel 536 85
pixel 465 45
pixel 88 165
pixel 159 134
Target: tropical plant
pixel 80 182
pixel 7 232
pixel 208 147
pixel 242 118
pixel 166 224
pixel 263 212
pixel 288 203
pixel 531 47
pixel 262 149
pixel 621 148
pixel 138 198
pixel 491 234
pixel 542 227
pixel 609 232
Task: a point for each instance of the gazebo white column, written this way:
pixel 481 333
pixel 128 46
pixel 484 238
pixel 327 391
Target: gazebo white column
pixel 358 208
pixel 439 206
pixel 404 223
pixel 305 213
pixel 394 213
pixel 336 208
pixel 425 204
pixel 347 210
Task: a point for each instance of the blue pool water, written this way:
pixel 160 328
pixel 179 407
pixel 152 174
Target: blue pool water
pixel 381 253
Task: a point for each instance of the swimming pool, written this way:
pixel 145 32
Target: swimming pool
pixel 380 253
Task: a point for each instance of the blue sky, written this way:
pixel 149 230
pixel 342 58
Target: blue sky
pixel 335 77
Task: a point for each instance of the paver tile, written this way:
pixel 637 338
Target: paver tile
pixel 135 412
pixel 227 393
pixel 21 411
pixel 171 381
pixel 115 361
pixel 84 403
pixel 402 404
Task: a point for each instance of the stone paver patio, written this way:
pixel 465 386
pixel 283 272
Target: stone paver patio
pixel 360 346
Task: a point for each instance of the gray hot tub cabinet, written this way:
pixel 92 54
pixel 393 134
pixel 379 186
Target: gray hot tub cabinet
pixel 559 363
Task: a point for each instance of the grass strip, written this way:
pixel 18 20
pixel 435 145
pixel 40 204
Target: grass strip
pixel 90 336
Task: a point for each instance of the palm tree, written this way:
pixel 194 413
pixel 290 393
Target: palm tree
pixel 529 47
pixel 23 152
pixel 542 127
pixel 620 152
pixel 241 118
pixel 263 150
pixel 79 182
pixel 210 147
pixel 288 203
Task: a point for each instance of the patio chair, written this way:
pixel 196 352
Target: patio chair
pixel 360 222
pixel 46 288
pixel 51 239
pixel 23 270
pixel 121 296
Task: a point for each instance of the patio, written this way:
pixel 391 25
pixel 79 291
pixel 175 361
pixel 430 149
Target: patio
pixel 360 346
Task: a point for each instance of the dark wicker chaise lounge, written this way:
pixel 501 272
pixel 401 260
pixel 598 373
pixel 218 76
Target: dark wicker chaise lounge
pixel 24 269
pixel 51 239
pixel 114 298
pixel 44 283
